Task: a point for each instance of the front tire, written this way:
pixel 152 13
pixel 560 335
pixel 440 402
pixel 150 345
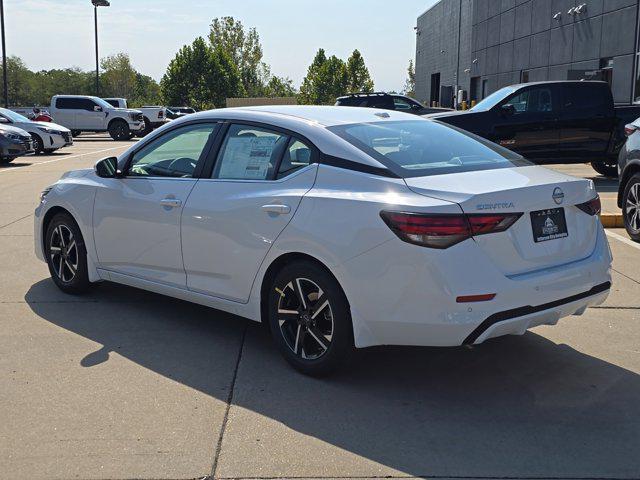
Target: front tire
pixel 631 207
pixel 66 255
pixel 75 133
pixel 119 130
pixel 38 144
pixel 606 168
pixel 309 318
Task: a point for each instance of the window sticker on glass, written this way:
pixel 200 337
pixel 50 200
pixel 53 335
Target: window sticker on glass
pixel 247 157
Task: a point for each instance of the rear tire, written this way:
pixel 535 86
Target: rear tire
pixel 49 151
pixel 631 207
pixel 309 318
pixel 38 144
pixel 606 168
pixel 119 130
pixel 4 161
pixel 147 128
pixel 66 255
pixel 75 133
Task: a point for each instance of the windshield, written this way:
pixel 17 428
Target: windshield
pixel 415 148
pixel 493 99
pixel 13 116
pixel 102 103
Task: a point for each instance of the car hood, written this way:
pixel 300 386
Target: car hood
pixel 127 110
pixel 16 130
pixel 53 126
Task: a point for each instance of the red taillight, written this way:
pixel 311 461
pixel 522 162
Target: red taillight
pixel 592 207
pixel 629 129
pixel 160 114
pixel 445 230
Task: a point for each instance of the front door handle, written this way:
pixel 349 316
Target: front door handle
pixel 170 202
pixel 277 209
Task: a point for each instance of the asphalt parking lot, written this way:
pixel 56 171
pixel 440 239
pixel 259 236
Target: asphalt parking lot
pixel 124 384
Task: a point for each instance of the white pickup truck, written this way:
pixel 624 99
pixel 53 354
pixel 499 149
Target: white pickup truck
pixel 82 113
pixel 154 116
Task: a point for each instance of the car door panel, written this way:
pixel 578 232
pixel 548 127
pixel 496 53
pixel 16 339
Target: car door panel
pixel 137 227
pixel 228 227
pixel 137 217
pixel 532 129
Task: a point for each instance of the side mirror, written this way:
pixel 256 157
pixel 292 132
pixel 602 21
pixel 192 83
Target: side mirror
pixel 4 120
pixel 107 167
pixel 508 110
pixel 97 108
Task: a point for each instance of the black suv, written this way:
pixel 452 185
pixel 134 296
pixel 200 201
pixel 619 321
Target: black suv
pixel 387 101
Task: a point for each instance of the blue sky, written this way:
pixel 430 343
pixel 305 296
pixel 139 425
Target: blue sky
pixel 59 33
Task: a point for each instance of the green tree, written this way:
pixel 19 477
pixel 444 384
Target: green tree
pixel 201 76
pixel 326 79
pixel 118 78
pixel 280 87
pixel 146 91
pixel 359 79
pixel 245 51
pixel 21 82
pixel 410 84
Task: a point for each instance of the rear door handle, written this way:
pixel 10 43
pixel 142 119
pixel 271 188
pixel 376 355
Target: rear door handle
pixel 277 209
pixel 170 202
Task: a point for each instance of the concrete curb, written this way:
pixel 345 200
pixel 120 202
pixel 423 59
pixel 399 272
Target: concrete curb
pixel 612 220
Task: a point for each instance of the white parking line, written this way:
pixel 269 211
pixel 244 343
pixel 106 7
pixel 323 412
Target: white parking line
pixel 18 169
pixel 622 239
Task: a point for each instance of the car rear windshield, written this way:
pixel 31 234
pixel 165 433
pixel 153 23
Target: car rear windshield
pixel 416 148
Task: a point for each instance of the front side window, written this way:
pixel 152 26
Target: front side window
pixel 250 153
pixel 175 154
pixel 416 148
pixel 533 100
pixel 401 104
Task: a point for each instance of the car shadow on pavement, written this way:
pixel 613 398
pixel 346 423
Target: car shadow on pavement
pixel 516 406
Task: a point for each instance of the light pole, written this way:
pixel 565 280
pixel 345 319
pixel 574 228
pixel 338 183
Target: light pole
pixel 4 58
pixel 96 4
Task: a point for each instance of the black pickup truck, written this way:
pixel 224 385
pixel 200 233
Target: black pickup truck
pixel 552 122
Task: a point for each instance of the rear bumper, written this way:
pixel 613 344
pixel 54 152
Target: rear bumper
pixel 519 320
pixel 402 294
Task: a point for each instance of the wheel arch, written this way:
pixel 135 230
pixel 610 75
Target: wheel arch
pixel 48 216
pixel 631 169
pixel 276 265
pixel 114 120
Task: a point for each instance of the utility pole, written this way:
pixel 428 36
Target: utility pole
pixel 96 4
pixel 4 58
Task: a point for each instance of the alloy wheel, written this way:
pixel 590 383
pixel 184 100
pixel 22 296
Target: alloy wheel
pixel 632 207
pixel 63 251
pixel 305 318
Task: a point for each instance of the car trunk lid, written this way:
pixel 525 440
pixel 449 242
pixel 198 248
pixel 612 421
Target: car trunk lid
pixel 523 190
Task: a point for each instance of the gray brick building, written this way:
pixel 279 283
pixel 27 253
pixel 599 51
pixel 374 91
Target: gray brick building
pixel 484 45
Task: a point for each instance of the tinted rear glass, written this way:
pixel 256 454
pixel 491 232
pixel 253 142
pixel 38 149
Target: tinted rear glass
pixel 415 148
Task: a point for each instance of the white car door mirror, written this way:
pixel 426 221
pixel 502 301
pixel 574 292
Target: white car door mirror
pixel 107 168
pixel 4 120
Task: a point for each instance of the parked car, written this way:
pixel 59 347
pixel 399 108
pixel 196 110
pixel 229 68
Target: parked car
pixel 335 226
pixel 387 101
pixel 81 113
pixel 154 116
pixel 47 137
pixel 183 110
pixel 14 143
pixel 629 188
pixel 38 114
pixel 552 122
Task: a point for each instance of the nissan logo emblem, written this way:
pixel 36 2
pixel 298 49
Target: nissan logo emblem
pixel 558 195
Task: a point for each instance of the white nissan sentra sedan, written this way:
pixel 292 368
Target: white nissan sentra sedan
pixel 339 227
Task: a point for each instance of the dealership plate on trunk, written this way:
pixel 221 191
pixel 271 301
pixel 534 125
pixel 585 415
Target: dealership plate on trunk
pixel 548 224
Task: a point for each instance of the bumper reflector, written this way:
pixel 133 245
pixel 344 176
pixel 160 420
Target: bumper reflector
pixel 476 298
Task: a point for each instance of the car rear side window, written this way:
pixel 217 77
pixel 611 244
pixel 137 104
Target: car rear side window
pixel 250 153
pixel 297 155
pixel 69 103
pixel 422 147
